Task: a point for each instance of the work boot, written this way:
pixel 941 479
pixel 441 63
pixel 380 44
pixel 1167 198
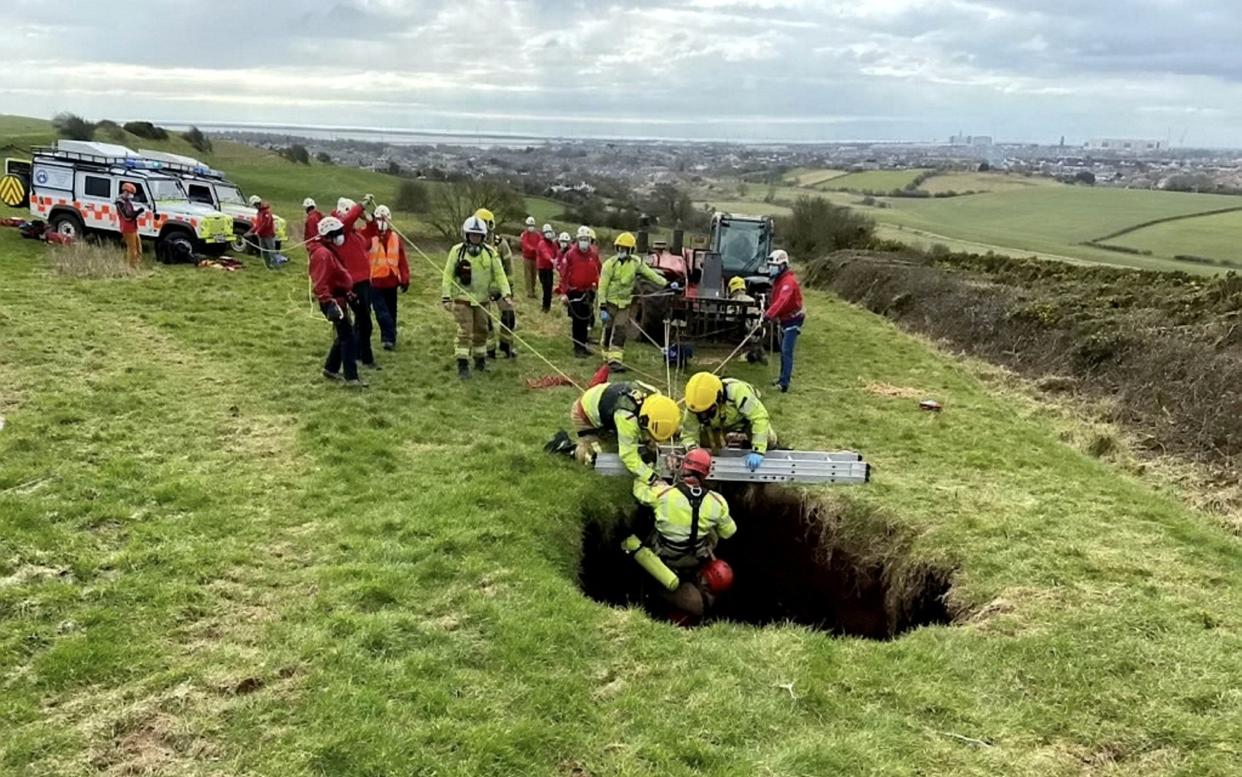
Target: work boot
pixel 373 366
pixel 356 383
pixel 615 366
pixel 330 375
pixel 387 346
pixel 508 350
pixel 463 369
pixel 480 364
pixel 560 444
pixel 491 353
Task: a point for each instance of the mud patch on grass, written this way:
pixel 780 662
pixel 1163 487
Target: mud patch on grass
pixel 831 565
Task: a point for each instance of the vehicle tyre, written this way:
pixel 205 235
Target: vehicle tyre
pixel 68 224
pixel 175 247
pixel 238 244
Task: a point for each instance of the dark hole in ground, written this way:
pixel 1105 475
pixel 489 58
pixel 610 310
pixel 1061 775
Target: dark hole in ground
pixel 831 565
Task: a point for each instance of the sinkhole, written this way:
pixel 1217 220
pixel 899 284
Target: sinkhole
pixel 831 565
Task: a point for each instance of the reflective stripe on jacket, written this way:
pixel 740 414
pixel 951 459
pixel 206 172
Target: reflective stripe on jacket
pixel 674 515
pixel 613 409
pixel 486 274
pixel 388 264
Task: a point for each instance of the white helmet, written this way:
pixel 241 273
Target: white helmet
pixel 779 257
pixel 382 212
pixel 308 203
pixel 548 231
pixel 530 221
pixel 584 231
pixel 328 225
pixel 344 204
pixel 474 226
pixel 254 200
pixel 564 237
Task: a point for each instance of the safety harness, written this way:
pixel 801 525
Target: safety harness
pixel 695 496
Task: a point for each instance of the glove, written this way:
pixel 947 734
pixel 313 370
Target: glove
pixel 447 303
pixel 351 297
pixel 674 286
pixel 405 287
pixel 753 460
pixel 331 310
pixel 604 318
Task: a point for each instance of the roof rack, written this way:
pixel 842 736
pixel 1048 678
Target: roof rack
pixel 181 164
pixel 100 157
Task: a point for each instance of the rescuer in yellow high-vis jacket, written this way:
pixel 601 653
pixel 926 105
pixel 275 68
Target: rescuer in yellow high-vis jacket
pixel 617 280
pixel 716 408
pixel 632 412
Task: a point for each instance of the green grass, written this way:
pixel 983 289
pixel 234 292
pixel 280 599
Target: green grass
pixel 212 562
pixel 982 182
pixel 1218 236
pixel 873 180
pixel 810 177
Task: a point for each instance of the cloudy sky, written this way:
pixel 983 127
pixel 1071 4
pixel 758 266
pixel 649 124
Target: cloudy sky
pixel 737 69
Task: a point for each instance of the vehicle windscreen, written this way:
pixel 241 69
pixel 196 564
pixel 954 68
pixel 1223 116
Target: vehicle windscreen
pixel 229 195
pixel 166 189
pixel 742 246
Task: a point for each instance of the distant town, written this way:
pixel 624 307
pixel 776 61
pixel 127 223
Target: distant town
pixel 559 167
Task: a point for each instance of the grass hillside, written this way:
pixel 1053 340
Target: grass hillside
pixel 982 182
pixel 872 181
pixel 1213 237
pixel 213 563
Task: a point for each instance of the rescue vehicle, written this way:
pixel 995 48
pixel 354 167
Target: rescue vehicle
pixel 74 186
pixel 211 187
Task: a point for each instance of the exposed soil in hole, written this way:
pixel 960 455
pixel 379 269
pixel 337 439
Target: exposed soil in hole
pixel 831 565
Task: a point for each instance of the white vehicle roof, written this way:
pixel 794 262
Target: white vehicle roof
pixel 180 160
pixel 111 150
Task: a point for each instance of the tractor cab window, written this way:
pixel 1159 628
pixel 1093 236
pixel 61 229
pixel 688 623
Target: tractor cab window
pixel 230 195
pixel 742 246
pixel 200 192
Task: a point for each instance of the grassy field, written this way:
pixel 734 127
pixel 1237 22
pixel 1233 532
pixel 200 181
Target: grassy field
pixel 214 563
pixel 1217 236
pixel 983 182
pixel 873 180
pixel 811 177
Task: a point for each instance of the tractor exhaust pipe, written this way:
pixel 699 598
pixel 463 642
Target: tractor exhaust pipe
pixel 679 240
pixel 642 241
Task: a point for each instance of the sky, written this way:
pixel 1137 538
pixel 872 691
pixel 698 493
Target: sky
pixel 919 70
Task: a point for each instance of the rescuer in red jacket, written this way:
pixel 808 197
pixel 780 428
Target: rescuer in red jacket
pixel 530 254
pixel 333 287
pixel 355 254
pixel 311 230
pixel 546 254
pixel 389 271
pixel 786 310
pixel 579 282
pixel 263 229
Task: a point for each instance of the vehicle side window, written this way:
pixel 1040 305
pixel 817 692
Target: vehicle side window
pixel 94 186
pixel 200 193
pixel 141 194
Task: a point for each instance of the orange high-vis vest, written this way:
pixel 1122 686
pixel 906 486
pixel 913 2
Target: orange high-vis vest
pixel 385 259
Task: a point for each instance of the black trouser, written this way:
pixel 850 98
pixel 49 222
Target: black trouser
pixel 385 303
pixel 361 305
pixel 343 348
pixel 581 317
pixel 545 280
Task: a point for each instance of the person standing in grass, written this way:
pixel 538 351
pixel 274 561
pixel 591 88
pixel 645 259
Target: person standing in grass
pixel 128 212
pixel 356 257
pixel 617 283
pixel 579 268
pixel 333 288
pixel 545 261
pixel 508 309
pixel 389 271
pixel 530 254
pixel 264 230
pixel 471 271
pixel 311 230
pixel 786 310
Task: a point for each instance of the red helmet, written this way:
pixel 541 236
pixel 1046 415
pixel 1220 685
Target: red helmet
pixel 129 187
pixel 717 575
pixel 697 462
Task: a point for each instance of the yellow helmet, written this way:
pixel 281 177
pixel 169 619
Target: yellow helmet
pixel 486 215
pixel 625 240
pixel 703 392
pixel 737 283
pixel 660 416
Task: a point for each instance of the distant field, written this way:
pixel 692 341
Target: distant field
pixel 804 176
pixel 982 182
pixel 1217 236
pixel 874 180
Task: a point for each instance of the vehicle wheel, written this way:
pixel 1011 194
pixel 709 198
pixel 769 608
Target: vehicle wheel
pixel 175 248
pixel 68 225
pixel 238 245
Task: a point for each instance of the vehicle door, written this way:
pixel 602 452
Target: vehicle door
pixel 142 196
pixel 202 193
pixel 96 200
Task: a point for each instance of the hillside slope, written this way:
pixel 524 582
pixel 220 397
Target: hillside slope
pixel 211 562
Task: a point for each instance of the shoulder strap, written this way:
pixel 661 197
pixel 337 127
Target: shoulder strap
pixel 695 498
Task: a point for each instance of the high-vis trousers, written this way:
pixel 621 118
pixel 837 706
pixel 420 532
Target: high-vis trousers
pixel 614 333
pixel 471 330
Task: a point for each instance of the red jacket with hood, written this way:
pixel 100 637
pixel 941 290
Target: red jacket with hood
pixel 264 224
pixel 313 217
pixel 329 278
pixel 579 272
pixel 546 254
pixel 786 298
pixel 530 245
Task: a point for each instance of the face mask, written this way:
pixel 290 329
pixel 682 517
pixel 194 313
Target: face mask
pixel 474 248
pixel 549 236
pixel 530 229
pixel 624 253
pixel 774 270
pixel 338 240
pixel 382 226
pixel 564 245
pixel 584 245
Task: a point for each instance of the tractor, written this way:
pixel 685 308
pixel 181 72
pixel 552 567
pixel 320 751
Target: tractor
pixel 737 246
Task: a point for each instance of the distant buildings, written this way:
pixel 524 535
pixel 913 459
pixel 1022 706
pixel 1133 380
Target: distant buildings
pixel 1125 145
pixel 970 140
